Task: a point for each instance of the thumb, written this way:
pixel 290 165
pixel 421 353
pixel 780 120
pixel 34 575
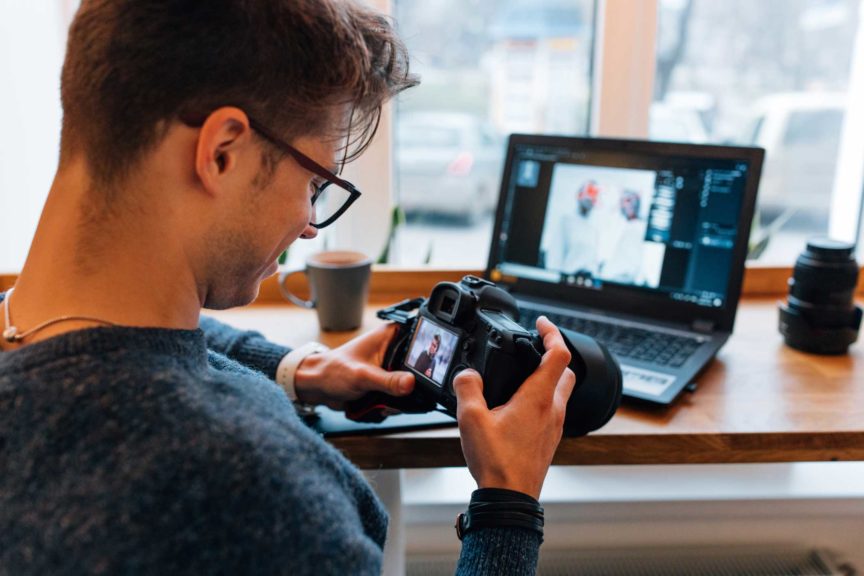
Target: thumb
pixel 396 383
pixel 468 386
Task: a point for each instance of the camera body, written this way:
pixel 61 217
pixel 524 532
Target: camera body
pixel 472 324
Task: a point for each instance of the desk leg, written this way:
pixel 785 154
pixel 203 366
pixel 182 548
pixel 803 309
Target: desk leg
pixel 388 486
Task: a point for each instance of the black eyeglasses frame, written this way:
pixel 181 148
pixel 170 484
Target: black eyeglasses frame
pixel 304 161
pixel 312 166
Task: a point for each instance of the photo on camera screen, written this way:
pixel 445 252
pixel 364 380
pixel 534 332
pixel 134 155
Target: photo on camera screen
pixel 431 351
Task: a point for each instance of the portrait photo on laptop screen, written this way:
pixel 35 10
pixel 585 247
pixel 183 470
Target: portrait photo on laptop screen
pixel 596 225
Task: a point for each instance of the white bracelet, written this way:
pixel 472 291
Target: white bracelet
pixel 288 366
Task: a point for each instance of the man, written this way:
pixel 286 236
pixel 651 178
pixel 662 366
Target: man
pixel 137 437
pixel 426 360
pixel 574 249
pixel 628 237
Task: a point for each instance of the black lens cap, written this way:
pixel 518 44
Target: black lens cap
pixel 826 249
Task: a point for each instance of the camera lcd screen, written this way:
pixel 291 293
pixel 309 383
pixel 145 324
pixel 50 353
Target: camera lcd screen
pixel 431 351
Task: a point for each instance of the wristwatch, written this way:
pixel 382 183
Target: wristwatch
pixel 461 525
pixel 287 368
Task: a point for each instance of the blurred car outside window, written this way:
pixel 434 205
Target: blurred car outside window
pixel 489 68
pixel 772 74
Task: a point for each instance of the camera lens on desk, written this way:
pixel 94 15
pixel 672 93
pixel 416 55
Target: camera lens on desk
pixel 820 315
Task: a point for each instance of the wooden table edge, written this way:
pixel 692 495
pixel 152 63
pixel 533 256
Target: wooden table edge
pixel 405 451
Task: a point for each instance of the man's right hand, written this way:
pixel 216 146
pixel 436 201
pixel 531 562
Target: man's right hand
pixel 512 446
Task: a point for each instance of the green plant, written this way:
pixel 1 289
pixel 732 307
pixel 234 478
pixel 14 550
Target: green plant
pixel 397 219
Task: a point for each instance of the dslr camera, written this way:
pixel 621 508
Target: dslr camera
pixel 472 324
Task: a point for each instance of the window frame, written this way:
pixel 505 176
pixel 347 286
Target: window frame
pixel 625 39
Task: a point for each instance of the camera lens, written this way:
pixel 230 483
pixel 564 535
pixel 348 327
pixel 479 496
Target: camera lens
pixel 820 315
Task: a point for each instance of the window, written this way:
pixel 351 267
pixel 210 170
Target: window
pixel 32 36
pixel 787 75
pixel 489 68
pixel 774 74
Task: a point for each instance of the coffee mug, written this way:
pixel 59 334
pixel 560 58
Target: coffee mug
pixel 339 286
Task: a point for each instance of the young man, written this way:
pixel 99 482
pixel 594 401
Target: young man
pixel 136 437
pixel 426 361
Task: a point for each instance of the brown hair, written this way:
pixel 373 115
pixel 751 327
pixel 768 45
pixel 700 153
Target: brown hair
pixel 132 66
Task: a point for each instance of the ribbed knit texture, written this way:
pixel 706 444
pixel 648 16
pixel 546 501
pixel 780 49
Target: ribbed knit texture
pixel 140 451
pixel 248 348
pixel 510 551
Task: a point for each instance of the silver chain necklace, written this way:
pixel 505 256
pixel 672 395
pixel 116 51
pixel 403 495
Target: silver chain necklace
pixel 11 335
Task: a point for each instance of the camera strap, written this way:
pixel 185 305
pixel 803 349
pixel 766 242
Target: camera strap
pixel 403 312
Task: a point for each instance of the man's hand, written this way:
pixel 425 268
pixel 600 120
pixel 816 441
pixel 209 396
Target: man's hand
pixel 350 371
pixel 512 446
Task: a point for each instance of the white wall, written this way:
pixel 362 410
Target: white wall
pixel 807 505
pixel 32 38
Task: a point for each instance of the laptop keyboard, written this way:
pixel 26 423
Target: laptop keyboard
pixel 624 341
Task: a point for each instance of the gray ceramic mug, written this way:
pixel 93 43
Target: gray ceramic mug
pixel 339 286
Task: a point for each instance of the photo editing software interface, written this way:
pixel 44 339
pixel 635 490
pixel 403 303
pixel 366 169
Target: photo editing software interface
pixel 598 219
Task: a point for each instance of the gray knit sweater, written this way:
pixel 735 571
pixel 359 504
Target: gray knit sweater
pixel 153 451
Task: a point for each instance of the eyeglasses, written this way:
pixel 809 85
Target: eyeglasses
pixel 330 199
pixel 334 196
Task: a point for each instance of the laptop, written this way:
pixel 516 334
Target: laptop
pixel 638 244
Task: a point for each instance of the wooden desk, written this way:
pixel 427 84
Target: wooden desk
pixel 759 401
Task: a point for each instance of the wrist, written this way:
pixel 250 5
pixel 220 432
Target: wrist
pixel 502 495
pixel 501 508
pixel 510 485
pixel 289 369
pixel 309 373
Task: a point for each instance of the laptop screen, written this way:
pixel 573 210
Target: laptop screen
pixel 626 218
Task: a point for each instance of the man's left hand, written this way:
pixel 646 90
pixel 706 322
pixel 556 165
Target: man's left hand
pixel 348 372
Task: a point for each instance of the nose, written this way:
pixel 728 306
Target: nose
pixel 309 232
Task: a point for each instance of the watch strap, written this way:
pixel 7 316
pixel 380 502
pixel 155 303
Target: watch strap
pixel 287 369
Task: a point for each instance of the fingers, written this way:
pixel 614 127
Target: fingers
pixel 396 383
pixel 373 344
pixel 555 359
pixel 552 338
pixel 470 403
pixel 564 388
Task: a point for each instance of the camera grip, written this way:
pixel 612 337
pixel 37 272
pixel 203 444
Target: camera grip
pixel 376 406
pixel 508 371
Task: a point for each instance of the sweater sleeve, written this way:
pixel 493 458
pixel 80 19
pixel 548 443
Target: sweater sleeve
pixel 270 507
pixel 249 348
pixel 512 551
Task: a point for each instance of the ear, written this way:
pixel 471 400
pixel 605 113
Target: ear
pixel 222 138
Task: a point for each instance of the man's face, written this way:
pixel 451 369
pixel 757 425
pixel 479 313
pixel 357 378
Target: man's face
pixel 586 197
pixel 268 216
pixel 433 347
pixel 630 206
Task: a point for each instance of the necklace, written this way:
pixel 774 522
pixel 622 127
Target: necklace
pixel 11 335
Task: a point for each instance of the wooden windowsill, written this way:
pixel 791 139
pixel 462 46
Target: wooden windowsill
pixel 393 280
pixel 396 281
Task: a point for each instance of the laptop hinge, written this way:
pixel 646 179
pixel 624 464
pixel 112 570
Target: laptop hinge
pixel 703 326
